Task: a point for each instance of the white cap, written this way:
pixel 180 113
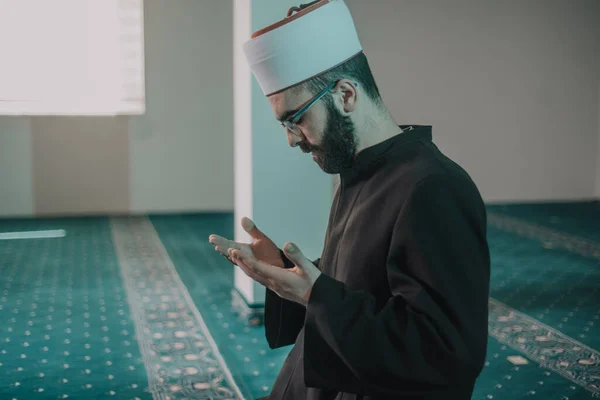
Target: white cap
pixel 302 46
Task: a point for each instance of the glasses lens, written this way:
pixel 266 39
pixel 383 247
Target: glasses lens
pixel 291 127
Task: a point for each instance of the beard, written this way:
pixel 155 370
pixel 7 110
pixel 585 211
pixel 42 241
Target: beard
pixel 338 144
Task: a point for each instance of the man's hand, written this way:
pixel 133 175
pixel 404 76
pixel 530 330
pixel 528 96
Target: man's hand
pixel 294 284
pixel 262 248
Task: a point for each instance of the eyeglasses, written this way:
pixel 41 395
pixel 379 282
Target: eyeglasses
pixel 291 123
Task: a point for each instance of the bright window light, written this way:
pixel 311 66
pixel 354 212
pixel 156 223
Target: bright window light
pixel 71 57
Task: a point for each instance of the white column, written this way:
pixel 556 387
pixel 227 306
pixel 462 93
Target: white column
pixel 280 188
pixel 597 189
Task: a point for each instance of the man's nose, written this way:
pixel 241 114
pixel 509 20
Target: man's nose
pixel 293 139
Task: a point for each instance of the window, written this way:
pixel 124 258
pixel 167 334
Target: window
pixel 71 57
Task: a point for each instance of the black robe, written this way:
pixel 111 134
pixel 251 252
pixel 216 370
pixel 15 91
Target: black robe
pixel 401 308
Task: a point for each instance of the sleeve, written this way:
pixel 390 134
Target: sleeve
pixel 283 318
pixel 432 332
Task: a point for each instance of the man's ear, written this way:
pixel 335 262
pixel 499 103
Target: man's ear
pixel 349 94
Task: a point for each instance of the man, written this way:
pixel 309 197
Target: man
pixel 397 305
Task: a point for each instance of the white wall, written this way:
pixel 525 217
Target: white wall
pixel 80 165
pixel 16 186
pixel 178 157
pixel 511 87
pixel 598 155
pixel 182 149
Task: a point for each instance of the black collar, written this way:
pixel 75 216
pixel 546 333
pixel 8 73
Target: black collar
pixel 369 159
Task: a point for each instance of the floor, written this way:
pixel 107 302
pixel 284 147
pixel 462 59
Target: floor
pixel 140 307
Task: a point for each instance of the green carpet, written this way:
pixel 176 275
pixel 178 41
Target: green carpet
pixel 554 286
pixel 209 279
pixel 141 308
pixel 580 219
pixel 65 325
pixel 545 304
pixel 528 276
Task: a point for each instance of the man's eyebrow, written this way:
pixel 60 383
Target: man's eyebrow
pixel 286 115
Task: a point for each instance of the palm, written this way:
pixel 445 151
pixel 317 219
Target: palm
pixel 262 248
pixel 266 251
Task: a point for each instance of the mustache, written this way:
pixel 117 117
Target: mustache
pixel 306 148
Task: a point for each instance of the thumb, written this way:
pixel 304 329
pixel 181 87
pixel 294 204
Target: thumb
pixel 294 254
pixel 251 228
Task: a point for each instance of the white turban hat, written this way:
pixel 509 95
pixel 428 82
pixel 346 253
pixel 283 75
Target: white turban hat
pixel 302 46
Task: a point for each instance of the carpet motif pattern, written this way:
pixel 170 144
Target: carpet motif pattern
pixel 180 355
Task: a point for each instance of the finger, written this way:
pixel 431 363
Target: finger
pixel 223 250
pixel 221 242
pixel 258 267
pixel 228 259
pixel 217 240
pixel 251 272
pixel 292 251
pixel 250 227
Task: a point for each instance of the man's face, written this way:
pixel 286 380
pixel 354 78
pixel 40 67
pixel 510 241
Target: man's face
pixel 324 131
